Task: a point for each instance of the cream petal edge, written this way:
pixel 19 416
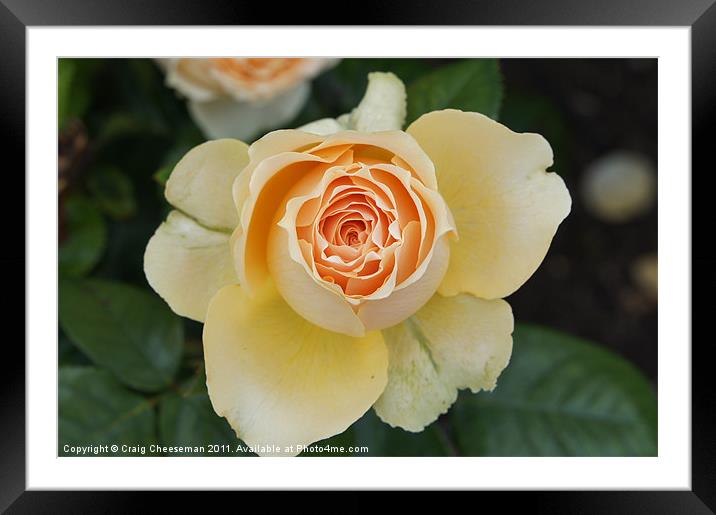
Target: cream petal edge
pixel 280 380
pixel 200 184
pixel 507 208
pixel 186 264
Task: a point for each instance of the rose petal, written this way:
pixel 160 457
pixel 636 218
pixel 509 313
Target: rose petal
pixel 187 264
pixel 259 79
pixel 269 183
pixel 387 143
pixel 383 106
pixel 451 343
pixel 275 142
pixel 191 77
pixel 200 184
pixel 295 281
pixel 226 117
pixel 323 127
pixel 402 303
pixel 407 203
pixel 407 254
pixel 280 380
pixel 506 207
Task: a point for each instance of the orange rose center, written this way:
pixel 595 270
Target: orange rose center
pixel 368 225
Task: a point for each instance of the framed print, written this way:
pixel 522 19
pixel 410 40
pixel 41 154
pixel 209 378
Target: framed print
pixel 425 261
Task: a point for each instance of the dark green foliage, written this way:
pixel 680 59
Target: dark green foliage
pixel 560 396
pixel 126 330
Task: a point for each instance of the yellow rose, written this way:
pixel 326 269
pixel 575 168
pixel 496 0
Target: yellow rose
pixel 349 265
pixel 238 97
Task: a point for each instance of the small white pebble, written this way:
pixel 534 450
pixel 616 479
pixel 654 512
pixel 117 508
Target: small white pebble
pixel 619 186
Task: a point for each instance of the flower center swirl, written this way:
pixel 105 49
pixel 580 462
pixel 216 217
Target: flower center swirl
pixel 363 220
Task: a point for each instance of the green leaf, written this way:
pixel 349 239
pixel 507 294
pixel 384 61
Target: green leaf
pixel 124 257
pixel 560 396
pixel 143 88
pixel 130 332
pixel 339 90
pixel 161 176
pixel 85 236
pixel 469 85
pixel 118 126
pixel 73 90
pixel 113 192
pixel 66 70
pixel 339 445
pixel 68 353
pixel 187 419
pixel 382 440
pixel 95 409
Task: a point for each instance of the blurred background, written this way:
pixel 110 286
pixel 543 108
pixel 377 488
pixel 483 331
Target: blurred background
pixel 592 281
pixel 587 319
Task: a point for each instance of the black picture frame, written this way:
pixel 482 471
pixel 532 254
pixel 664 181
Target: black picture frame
pixel 17 15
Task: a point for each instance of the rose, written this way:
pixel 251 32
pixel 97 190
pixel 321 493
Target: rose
pixel 238 97
pixel 355 268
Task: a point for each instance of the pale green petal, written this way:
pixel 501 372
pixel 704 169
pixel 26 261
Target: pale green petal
pixel 451 343
pixel 187 264
pixel 383 106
